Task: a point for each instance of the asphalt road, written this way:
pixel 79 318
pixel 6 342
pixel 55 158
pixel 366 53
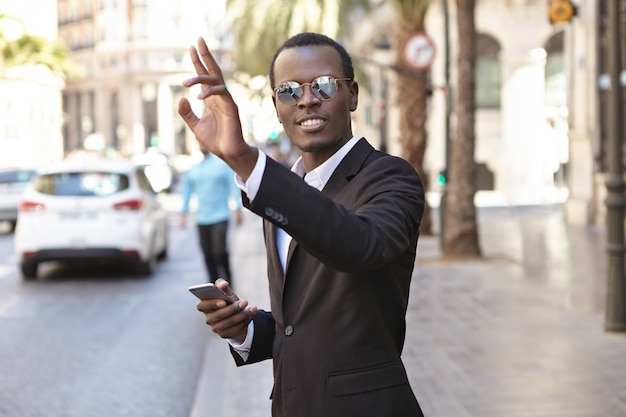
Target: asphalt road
pixel 96 340
pixel 517 333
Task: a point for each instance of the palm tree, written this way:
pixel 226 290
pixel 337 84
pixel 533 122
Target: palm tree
pixel 460 235
pixel 32 50
pixel 261 26
pixel 413 92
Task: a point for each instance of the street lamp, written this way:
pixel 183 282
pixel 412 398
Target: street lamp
pixel 448 91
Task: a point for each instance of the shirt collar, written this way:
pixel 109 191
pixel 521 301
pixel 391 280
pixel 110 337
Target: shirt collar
pixel 324 171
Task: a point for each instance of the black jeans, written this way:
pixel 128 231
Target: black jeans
pixel 215 250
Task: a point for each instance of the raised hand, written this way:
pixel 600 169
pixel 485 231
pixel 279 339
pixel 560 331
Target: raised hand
pixel 219 128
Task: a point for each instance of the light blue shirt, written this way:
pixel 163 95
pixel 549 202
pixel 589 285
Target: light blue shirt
pixel 212 181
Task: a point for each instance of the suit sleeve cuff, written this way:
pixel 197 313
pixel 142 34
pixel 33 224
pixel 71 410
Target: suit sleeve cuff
pixel 243 348
pixel 251 186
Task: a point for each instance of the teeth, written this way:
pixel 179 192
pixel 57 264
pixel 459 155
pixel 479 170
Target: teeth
pixel 311 122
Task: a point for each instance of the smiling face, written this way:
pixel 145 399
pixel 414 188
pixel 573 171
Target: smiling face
pixel 318 128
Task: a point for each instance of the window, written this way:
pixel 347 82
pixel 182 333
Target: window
pixel 96 184
pixel 487 72
pixel 16 176
pixel 556 84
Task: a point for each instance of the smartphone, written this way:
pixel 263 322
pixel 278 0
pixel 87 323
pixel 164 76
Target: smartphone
pixel 209 291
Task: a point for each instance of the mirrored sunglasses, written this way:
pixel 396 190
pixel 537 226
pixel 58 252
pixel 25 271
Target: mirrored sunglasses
pixel 324 88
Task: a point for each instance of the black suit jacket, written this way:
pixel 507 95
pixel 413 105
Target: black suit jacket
pixel 337 325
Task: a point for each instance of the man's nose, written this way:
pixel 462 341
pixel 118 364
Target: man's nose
pixel 308 98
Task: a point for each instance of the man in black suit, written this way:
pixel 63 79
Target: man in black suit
pixel 340 244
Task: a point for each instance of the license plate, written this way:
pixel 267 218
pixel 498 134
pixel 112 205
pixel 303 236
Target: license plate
pixel 69 215
pixel 78 243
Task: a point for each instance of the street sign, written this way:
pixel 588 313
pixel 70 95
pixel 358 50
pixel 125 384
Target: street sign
pixel 419 51
pixel 561 11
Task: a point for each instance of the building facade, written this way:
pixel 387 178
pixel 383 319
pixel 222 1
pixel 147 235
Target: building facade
pixel 134 55
pixel 540 96
pixel 589 49
pixel 30 95
pixel 541 122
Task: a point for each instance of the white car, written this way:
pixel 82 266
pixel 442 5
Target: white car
pixel 157 168
pixel 12 185
pixel 90 208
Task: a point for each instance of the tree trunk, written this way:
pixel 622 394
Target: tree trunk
pixel 412 101
pixel 460 233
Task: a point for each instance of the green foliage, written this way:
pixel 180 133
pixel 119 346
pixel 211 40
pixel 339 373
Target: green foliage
pixel 261 26
pixel 34 50
pixel 412 12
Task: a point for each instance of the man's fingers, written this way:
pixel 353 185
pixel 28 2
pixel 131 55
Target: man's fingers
pixel 205 80
pixel 207 65
pixel 215 90
pixel 197 63
pixel 187 114
pixel 221 322
pixel 234 332
pixel 225 286
pixel 209 61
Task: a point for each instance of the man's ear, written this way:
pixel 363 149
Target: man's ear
pixel 354 95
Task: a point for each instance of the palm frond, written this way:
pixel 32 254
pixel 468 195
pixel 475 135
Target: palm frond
pixel 411 11
pixel 259 27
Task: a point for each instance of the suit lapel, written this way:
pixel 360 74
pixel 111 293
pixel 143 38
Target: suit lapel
pixel 292 247
pixel 348 168
pixel 274 266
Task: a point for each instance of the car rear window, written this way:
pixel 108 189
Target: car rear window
pixel 97 184
pixel 11 177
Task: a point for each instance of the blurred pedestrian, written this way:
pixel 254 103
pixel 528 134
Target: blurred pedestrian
pixel 213 184
pixel 341 242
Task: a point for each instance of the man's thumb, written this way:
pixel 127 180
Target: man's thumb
pixel 187 114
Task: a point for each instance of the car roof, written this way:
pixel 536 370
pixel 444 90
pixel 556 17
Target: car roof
pixel 14 169
pixel 89 164
pixel 15 175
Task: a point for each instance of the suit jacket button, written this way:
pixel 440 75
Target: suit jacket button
pixel 289 330
pixel 269 211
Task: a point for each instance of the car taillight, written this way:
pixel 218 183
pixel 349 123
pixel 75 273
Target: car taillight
pixel 136 204
pixel 31 206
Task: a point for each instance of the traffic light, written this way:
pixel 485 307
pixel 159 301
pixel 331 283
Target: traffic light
pixel 273 135
pixel 442 179
pixel 560 11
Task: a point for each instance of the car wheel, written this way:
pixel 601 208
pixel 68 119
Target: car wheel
pixel 29 270
pixel 146 268
pixel 163 254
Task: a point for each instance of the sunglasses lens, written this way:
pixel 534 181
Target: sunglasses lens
pixel 324 88
pixel 289 92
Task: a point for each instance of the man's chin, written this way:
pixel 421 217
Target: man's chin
pixel 316 145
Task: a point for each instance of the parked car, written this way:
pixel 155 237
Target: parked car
pixel 90 209
pixel 12 185
pixel 158 169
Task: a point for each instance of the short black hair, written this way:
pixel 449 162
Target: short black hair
pixel 308 39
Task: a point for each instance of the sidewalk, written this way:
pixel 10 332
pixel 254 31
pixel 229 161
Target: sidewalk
pixel 516 334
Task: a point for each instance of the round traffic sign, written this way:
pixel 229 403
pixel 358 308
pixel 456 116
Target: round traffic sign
pixel 419 51
pixel 560 11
